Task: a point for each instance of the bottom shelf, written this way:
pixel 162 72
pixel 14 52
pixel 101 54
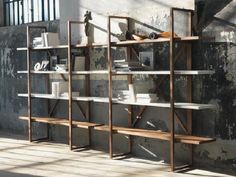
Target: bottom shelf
pixel 60 121
pixel 188 139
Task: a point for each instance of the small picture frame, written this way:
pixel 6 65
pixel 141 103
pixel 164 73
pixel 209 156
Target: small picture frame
pixel 54 60
pixel 147 60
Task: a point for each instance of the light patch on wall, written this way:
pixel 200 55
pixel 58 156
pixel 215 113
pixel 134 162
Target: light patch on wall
pixel 7 68
pixel 228 36
pixel 230 64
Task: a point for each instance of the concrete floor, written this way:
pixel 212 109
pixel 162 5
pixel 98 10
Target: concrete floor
pixel 20 158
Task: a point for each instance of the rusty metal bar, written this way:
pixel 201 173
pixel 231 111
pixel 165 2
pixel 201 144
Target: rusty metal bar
pixel 63 77
pixel 189 86
pixel 172 108
pixel 87 89
pixel 184 10
pixel 70 89
pixel 118 17
pixel 81 110
pixel 139 116
pixel 110 86
pixel 180 122
pixel 53 108
pixel 29 84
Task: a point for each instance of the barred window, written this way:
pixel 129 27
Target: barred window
pixel 27 11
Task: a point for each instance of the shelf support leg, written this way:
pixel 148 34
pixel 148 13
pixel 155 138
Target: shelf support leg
pixel 110 88
pixel 172 121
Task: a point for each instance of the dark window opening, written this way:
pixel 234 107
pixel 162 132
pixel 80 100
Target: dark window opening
pixel 18 12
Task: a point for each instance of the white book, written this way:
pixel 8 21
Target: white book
pixel 146 95
pixel 51 39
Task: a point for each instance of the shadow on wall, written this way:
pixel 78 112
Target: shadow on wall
pixel 216 24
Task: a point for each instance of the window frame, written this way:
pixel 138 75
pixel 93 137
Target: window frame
pixel 17 12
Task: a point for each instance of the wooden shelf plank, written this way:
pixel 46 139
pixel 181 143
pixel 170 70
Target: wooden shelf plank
pixel 43 72
pixel 129 42
pixel 189 139
pixel 177 72
pixel 140 72
pixel 81 98
pixel 90 72
pixel 65 72
pixel 97 44
pixel 167 105
pixel 44 48
pixel 195 106
pixel 21 48
pixel 194 72
pixel 60 121
pixel 42 95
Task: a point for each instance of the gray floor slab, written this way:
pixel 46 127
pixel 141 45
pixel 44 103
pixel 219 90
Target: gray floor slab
pixel 20 158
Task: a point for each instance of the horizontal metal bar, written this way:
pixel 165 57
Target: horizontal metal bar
pixel 118 17
pixel 179 9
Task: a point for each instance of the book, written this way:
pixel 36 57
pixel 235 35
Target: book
pixel 50 39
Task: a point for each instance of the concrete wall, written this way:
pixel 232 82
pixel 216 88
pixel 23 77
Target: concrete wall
pixel 1 13
pixel 216 51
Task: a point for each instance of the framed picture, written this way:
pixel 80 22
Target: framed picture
pixel 147 60
pixel 78 63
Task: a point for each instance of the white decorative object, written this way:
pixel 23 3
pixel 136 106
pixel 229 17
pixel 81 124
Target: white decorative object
pixel 41 67
pixel 37 66
pixel 132 93
pixel 61 67
pixel 55 86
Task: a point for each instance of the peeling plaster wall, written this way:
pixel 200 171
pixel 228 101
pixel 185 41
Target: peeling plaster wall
pixel 217 51
pixel 11 83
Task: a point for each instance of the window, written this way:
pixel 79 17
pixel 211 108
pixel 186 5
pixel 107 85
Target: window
pixel 27 11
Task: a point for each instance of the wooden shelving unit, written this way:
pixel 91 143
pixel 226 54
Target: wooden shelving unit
pixel 172 105
pixel 87 99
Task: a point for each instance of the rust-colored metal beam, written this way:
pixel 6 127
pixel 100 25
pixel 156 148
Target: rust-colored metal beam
pixel 70 89
pixel 110 86
pixel 172 108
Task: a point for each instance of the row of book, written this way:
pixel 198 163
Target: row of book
pixel 122 65
pixel 126 96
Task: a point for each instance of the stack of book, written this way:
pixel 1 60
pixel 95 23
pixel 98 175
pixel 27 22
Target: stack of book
pixel 146 98
pixel 46 40
pixel 122 65
pixel 38 42
pixel 123 95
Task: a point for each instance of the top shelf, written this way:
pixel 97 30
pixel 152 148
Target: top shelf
pixel 178 39
pixel 65 46
pixel 120 43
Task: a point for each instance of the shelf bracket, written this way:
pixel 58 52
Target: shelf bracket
pixel 80 109
pixel 53 108
pixel 180 122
